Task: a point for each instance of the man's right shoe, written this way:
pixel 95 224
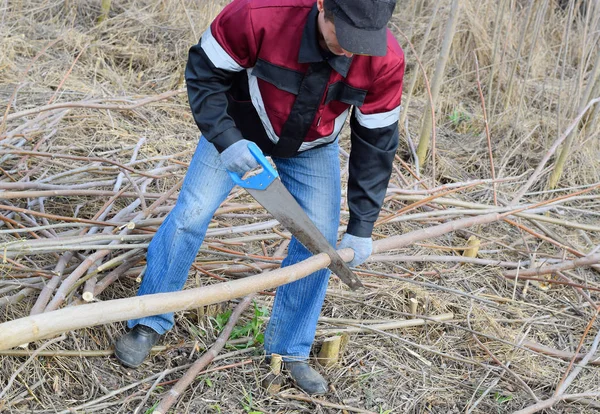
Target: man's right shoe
pixel 306 377
pixel 133 347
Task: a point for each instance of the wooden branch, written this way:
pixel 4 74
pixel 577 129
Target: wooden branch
pixel 408 323
pixel 534 176
pixel 546 350
pixel 14 375
pixel 566 381
pixel 551 401
pixel 432 100
pixel 8 195
pixel 48 324
pixel 571 264
pixel 396 242
pixel 150 378
pixel 90 353
pixel 16 297
pixel 417 204
pixel 65 287
pixel 487 129
pixel 318 401
pixel 505 367
pixel 95 105
pixel 77 158
pixel 55 217
pixel 115 274
pixel 68 283
pixel 51 286
pixel 178 389
pixel 443 259
pixel 429 123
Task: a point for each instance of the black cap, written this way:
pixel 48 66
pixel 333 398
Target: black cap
pixel 360 25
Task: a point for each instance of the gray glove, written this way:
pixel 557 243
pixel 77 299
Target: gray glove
pixel 238 159
pixel 362 246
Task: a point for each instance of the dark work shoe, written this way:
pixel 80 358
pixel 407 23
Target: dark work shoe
pixel 306 377
pixel 133 347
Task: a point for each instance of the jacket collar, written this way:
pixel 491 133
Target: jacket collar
pixel 311 52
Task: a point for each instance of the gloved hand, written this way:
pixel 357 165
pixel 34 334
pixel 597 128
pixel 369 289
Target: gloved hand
pixel 362 246
pixel 238 159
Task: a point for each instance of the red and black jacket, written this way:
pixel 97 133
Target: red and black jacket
pixel 259 73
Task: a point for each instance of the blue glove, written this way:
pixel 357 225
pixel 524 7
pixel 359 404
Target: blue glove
pixel 362 246
pixel 238 159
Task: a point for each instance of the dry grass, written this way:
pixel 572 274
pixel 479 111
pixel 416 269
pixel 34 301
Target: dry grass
pixel 140 51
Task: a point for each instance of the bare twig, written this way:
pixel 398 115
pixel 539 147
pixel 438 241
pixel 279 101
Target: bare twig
pixel 175 392
pixel 571 264
pixel 487 130
pixel 534 176
pixel 93 104
pixel 31 358
pixel 565 381
pixel 321 402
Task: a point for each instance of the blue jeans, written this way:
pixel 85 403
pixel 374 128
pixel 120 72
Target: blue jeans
pixel 313 178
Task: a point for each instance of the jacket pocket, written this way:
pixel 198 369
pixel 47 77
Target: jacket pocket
pixel 340 91
pixel 287 80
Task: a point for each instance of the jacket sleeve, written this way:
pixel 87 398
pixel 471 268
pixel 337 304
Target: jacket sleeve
pixel 226 47
pixel 374 139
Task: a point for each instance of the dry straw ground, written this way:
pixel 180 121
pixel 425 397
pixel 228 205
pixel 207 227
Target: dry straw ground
pixel 94 125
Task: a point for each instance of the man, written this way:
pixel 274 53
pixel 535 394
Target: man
pixel 284 74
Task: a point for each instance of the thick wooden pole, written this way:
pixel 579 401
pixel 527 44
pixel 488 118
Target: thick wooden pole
pixel 45 325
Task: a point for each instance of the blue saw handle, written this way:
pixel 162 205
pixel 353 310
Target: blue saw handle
pixel 258 181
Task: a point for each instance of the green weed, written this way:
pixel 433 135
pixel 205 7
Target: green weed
pixel 247 404
pixel 502 398
pixel 251 329
pixel 151 409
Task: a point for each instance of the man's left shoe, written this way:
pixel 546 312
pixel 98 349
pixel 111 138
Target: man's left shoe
pixel 133 347
pixel 307 378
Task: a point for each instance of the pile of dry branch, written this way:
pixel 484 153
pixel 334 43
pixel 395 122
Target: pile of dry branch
pixel 482 293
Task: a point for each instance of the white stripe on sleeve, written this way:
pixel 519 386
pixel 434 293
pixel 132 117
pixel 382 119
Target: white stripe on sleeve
pixel 379 120
pixel 217 55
